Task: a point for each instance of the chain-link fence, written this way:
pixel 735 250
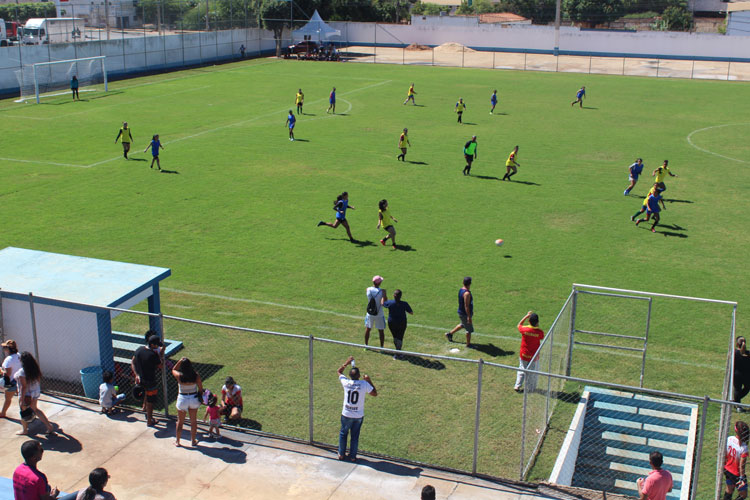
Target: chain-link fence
pixel 456 413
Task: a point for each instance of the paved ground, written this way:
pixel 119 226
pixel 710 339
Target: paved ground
pixel 144 463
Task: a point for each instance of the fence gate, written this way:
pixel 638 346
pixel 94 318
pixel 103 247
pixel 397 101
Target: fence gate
pixel 602 320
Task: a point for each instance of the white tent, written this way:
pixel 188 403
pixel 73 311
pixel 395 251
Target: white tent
pixel 316 29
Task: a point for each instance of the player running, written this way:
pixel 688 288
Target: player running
pixel 384 221
pixel 460 107
pixel 579 97
pixel 470 154
pixel 340 206
pixel 299 100
pixel 654 190
pixel 155 144
pixel 493 101
pixel 403 141
pixel 332 101
pixel 511 164
pixel 410 95
pixel 127 138
pixel 660 173
pixel 635 171
pixel 735 458
pixel 652 209
pixel 290 121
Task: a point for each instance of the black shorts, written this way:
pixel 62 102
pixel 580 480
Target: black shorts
pixel 732 480
pixel 390 227
pixel 469 159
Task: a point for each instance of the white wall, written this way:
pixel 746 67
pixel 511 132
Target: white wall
pixel 68 339
pixel 137 54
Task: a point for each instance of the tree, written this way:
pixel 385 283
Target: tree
pixel 676 17
pixel 427 9
pixel 594 12
pixel 539 11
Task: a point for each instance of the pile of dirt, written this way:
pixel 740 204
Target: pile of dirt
pixel 416 46
pixel 453 47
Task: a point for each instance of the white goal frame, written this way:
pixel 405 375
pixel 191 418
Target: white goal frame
pixel 68 61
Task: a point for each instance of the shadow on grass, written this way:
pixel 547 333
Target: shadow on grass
pixel 247 423
pixel 421 362
pixel 670 233
pixel 528 183
pixel 485 177
pixel 309 114
pixel 678 201
pixel 468 123
pixel 362 243
pixel 406 248
pixel 165 171
pixel 502 114
pixel 389 467
pixel 491 350
pixel 301 140
pixel 589 107
pixel 418 162
pixel 137 159
pixel 507 256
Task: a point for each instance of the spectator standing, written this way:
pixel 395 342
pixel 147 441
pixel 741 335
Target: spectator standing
pixel 190 386
pixel 11 364
pixel 29 483
pixel 397 310
pixel 242 51
pixel 98 479
pixel 375 318
pixel 741 378
pixel 735 458
pixel 353 412
pixel 531 337
pixel 658 482
pixel 146 365
pixel 231 397
pixel 428 493
pixel 465 312
pixel 74 87
pixel 29 379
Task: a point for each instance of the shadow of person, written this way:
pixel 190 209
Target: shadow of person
pixel 225 454
pixel 432 364
pixel 486 177
pixel 301 140
pixel 122 416
pixel 671 233
pixel 389 467
pixel 61 442
pixel 165 171
pixel 137 159
pixel 417 162
pixel 247 423
pixel 528 183
pixel 405 248
pixel 491 350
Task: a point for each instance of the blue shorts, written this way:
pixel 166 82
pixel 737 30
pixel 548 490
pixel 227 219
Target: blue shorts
pixel 291 126
pixel 12 387
pixel 732 480
pixel 648 211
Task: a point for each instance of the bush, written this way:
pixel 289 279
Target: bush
pixel 24 11
pixel 677 18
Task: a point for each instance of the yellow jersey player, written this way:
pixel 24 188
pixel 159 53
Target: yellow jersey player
pixel 661 173
pixel 127 138
pixel 403 141
pixel 299 100
pixel 511 164
pixel 460 107
pixel 410 95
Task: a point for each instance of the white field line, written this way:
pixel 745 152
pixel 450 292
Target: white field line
pixel 417 325
pixel 44 162
pixel 244 122
pixel 690 141
pixel 42 96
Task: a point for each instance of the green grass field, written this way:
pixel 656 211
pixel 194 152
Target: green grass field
pixel 234 216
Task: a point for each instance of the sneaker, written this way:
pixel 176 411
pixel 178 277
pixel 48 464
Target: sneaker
pixel 518 389
pixel 638 221
pixel 449 336
pixel 653 230
pixel 382 242
pixel 626 192
pixel 632 218
pixel 321 223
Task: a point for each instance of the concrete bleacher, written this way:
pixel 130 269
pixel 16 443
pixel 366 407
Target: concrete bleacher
pixel 125 344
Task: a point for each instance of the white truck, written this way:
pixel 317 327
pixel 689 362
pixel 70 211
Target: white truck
pixel 37 31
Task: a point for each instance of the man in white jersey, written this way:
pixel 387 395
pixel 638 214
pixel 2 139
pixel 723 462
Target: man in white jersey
pixel 353 413
pixel 375 318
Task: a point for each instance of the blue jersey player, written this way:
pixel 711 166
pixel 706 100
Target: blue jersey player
pixel 652 209
pixel 635 171
pixel 332 101
pixel 290 121
pixel 493 101
pixel 579 97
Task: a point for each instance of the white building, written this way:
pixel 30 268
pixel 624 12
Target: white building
pixel 122 13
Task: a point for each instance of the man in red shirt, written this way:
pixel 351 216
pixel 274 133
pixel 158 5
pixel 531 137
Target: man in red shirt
pixel 659 481
pixel 531 337
pixel 28 482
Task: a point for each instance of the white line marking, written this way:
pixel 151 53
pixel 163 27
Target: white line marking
pixel 690 141
pixel 249 120
pixel 428 327
pixel 43 162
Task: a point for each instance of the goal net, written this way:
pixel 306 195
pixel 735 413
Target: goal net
pixel 48 79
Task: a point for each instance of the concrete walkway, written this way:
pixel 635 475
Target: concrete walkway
pixel 144 463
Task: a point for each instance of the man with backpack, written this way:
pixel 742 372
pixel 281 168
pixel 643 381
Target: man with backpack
pixel 375 317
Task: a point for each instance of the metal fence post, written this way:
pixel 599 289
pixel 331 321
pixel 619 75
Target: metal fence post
pixel 476 417
pixel 623 66
pixel 523 425
pixel 524 61
pixel 589 65
pixel 729 67
pixel 463 50
pixel 33 327
pixel 692 69
pixel 699 449
pixel 164 368
pixel 571 335
pixel 310 392
pixel 658 63
pixel 645 340
pixel 2 331
pixel 493 59
pixel 551 341
pixel 433 55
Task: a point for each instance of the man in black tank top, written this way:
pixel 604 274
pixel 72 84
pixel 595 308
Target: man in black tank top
pixel 465 312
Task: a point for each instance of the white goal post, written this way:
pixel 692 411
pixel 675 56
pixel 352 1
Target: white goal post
pixel 53 76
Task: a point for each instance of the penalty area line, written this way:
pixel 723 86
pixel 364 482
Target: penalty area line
pixel 415 325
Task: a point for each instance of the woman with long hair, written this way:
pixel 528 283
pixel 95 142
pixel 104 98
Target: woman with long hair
pixel 386 220
pixel 340 206
pixel 188 400
pixel 29 379
pixel 97 481
pixel 735 457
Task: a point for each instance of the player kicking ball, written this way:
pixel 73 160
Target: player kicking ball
pixel 290 121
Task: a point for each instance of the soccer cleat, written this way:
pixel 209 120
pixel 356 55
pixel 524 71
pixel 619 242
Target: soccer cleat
pixel 632 218
pixel 653 230
pixel 449 336
pixel 382 242
pixel 321 223
pixel 638 221
pixel 626 192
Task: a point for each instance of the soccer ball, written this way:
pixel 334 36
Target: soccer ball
pixel 499 242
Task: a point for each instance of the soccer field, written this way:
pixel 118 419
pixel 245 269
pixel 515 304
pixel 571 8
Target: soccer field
pixel 234 215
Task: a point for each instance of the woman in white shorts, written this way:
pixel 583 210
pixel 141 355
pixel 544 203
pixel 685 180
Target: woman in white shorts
pixel 11 364
pixel 188 400
pixel 29 379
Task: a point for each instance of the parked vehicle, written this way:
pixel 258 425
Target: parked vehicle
pixel 37 31
pixel 13 30
pixel 303 47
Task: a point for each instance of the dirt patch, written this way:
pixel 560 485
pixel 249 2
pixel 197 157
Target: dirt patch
pixel 416 46
pixel 453 47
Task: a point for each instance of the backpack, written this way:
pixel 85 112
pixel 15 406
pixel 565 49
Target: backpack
pixel 372 306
